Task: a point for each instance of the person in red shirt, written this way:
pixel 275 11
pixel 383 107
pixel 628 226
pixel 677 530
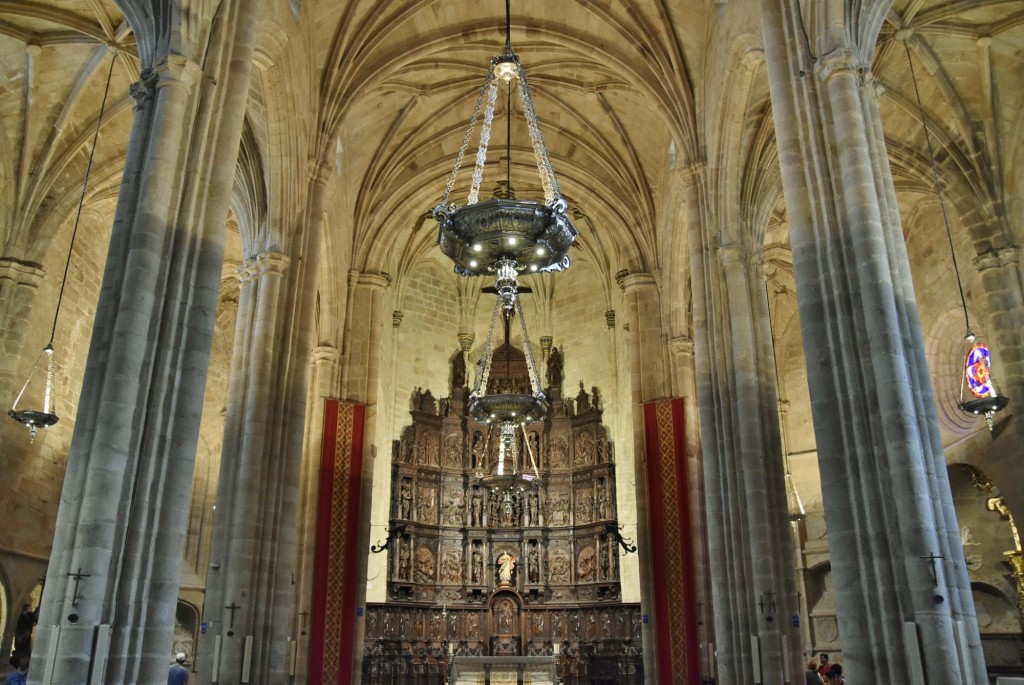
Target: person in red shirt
pixel 823 668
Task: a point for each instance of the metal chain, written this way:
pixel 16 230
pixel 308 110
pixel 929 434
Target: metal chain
pixel 531 367
pixel 529 451
pixel 485 139
pixel 540 150
pixel 465 141
pixel 485 367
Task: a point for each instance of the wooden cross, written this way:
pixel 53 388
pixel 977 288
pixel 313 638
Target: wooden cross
pixel 78 578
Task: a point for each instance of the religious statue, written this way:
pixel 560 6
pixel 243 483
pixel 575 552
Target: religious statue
pixel 478 509
pixel 477 451
pixel 505 616
pixel 477 562
pixel 506 565
pixel 405 501
pixel 554 374
pixel 458 370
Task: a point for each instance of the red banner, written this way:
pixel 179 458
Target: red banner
pixel 675 615
pixel 337 539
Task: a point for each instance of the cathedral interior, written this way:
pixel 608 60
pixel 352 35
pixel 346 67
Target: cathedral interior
pixel 792 221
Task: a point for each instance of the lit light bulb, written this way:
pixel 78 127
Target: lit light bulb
pixel 477 247
pixel 540 251
pixel 512 240
pixel 533 267
pixel 472 263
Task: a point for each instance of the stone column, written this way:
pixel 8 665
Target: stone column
pixel 902 596
pixel 112 583
pixel 647 381
pixel 362 360
pixel 324 383
pixel 749 543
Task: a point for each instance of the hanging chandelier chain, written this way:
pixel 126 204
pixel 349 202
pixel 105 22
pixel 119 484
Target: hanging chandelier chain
pixel 540 150
pixel 465 141
pixel 81 199
pixel 485 139
pixel 531 367
pixel 938 187
pixel 529 451
pixel 480 387
pixel 508 25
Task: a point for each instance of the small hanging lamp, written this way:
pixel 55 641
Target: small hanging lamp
pixel 34 419
pixel 978 394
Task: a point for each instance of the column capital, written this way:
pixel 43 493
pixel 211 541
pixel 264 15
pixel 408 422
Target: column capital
pixel 682 345
pixel 466 341
pixel 326 354
pixel 839 61
pixel 21 273
pixel 319 171
pixel 177 71
pixel 373 281
pixel 264 263
pixel 628 281
pixel 997 259
pixel 144 87
pixel 692 174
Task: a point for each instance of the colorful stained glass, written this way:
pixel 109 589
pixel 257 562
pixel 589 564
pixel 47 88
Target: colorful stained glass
pixel 977 370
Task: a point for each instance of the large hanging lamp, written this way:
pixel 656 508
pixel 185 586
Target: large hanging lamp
pixel 34 419
pixel 505 236
pixel 978 393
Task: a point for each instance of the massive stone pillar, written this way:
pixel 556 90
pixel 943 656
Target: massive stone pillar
pixel 252 584
pixel 112 583
pixel 749 545
pixel 362 360
pixel 904 603
pixel 647 381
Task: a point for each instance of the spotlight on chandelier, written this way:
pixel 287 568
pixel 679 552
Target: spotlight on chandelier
pixel 978 394
pixel 34 419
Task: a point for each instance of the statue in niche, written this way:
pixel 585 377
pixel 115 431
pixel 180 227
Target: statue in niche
pixel 371 623
pixel 506 567
pixel 600 502
pixel 405 500
pixel 388 624
pixel 458 370
pixel 477 518
pixel 404 557
pixel 535 447
pixel 478 562
pixel 554 370
pixel 477 451
pixel 533 565
pixel 606 625
pixel 635 626
pixel 586 565
pixel 473 625
pixel 424 565
pixel 532 514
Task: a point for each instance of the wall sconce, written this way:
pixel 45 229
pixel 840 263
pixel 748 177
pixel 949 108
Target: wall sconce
pixel 396 531
pixel 613 530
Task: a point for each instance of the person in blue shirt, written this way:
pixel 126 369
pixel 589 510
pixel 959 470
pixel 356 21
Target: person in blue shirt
pixel 178 674
pixel 19 677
